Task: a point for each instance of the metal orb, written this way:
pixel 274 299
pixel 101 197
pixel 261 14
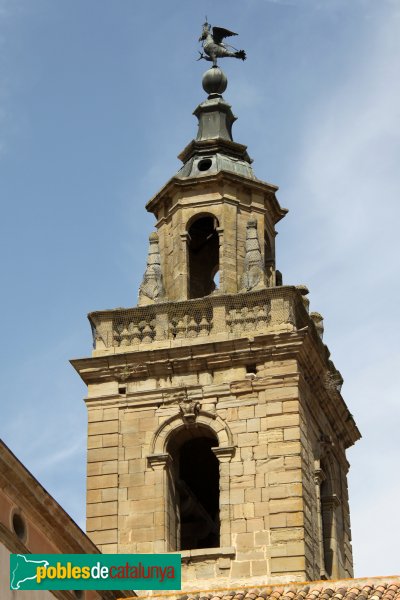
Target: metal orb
pixel 214 81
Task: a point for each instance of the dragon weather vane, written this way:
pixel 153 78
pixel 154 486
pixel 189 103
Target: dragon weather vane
pixel 213 47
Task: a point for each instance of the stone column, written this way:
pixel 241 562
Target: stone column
pixel 228 251
pixel 318 479
pixel 160 463
pixel 329 505
pixel 183 286
pixel 224 455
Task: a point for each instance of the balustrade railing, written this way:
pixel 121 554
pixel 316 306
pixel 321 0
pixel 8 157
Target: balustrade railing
pixel 230 315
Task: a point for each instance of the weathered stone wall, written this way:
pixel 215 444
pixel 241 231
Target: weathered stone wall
pixel 323 446
pixel 267 493
pixel 282 432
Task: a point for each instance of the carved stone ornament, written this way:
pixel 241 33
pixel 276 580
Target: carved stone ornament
pixel 254 273
pixel 318 320
pixel 304 291
pixel 189 410
pixel 331 383
pixel 152 289
pixel 319 476
pixel 333 380
pixel 96 335
pixel 128 371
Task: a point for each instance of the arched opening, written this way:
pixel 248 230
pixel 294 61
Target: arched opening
pixel 332 519
pixel 194 490
pixel 327 525
pixel 269 259
pixel 203 253
pixel 216 279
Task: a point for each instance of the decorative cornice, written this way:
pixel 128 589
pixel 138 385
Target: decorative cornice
pixel 212 146
pixel 303 345
pixel 205 355
pixel 314 361
pixel 257 184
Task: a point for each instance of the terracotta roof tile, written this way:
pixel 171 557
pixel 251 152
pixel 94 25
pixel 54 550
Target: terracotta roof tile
pixel 303 591
pixel 289 594
pixel 314 592
pixel 380 588
pixel 387 588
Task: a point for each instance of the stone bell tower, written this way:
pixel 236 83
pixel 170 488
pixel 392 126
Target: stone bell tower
pixel 216 424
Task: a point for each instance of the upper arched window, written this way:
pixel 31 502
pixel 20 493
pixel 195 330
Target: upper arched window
pixel 203 251
pixel 269 259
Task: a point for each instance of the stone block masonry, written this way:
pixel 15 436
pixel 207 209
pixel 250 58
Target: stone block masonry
pixel 267 430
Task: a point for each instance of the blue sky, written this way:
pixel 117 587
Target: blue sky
pixel 95 103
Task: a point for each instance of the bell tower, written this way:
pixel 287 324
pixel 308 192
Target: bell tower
pixel 216 424
pixel 211 206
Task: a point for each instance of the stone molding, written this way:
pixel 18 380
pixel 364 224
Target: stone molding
pixel 207 554
pixel 176 422
pixel 330 502
pixel 224 454
pixel 159 461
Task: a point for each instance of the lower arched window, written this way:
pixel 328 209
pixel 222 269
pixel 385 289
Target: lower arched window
pixel 332 521
pixel 193 494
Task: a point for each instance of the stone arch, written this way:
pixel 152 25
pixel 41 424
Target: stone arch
pixel 165 460
pixel 172 425
pixel 201 215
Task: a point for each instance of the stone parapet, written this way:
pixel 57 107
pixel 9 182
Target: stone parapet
pixel 226 316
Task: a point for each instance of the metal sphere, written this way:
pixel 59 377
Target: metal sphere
pixel 214 81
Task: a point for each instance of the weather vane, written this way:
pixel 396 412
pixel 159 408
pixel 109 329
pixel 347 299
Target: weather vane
pixel 213 47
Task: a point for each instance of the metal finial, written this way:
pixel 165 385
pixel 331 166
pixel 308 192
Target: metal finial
pixel 213 46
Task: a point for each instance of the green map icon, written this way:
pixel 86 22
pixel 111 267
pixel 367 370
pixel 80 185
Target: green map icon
pixel 23 570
